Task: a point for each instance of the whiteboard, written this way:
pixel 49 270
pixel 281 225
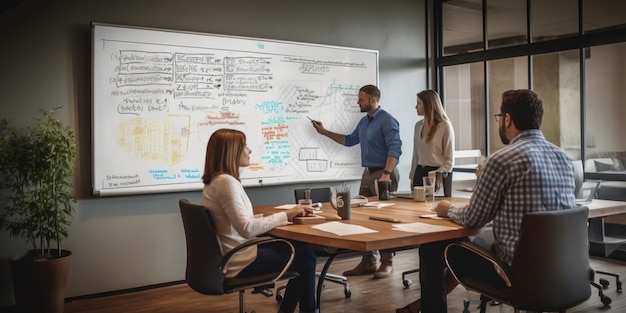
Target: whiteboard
pixel 158 95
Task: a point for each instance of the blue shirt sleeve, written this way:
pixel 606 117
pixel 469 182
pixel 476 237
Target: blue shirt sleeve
pixel 391 131
pixel 353 138
pixel 379 137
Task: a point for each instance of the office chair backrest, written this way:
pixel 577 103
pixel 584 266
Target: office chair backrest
pixel 551 267
pixel 585 192
pixel 204 250
pixel 317 194
pixel 579 177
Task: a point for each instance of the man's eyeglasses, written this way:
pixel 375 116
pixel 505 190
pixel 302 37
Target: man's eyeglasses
pixel 498 116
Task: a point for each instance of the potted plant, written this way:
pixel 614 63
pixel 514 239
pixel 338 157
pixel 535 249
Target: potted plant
pixel 36 171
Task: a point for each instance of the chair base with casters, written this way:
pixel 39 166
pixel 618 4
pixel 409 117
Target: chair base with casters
pixel 324 276
pixel 407 282
pixel 206 263
pixel 337 279
pixel 603 284
pixel 602 245
pixel 264 290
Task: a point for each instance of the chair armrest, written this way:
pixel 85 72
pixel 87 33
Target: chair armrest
pixel 501 268
pixel 257 242
pixel 252 242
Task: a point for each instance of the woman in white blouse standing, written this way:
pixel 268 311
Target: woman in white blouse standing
pixel 230 207
pixel 433 139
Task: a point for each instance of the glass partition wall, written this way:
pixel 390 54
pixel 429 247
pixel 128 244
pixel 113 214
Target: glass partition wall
pixel 571 52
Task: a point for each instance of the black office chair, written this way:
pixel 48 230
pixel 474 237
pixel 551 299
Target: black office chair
pixel 206 261
pixel 316 194
pixel 550 270
pixel 323 195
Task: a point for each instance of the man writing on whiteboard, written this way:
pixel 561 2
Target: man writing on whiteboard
pixel 379 135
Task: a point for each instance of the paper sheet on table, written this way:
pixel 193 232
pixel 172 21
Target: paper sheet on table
pixel 376 204
pixel 418 227
pixel 285 206
pixel 434 216
pixel 341 229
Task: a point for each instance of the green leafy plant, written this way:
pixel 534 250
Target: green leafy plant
pixel 36 170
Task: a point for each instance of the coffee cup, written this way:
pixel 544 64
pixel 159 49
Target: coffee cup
pixel 429 188
pixel 343 205
pixel 308 202
pixel 384 189
pixel 419 194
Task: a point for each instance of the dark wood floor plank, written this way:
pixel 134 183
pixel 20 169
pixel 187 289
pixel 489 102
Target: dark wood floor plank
pixel 368 295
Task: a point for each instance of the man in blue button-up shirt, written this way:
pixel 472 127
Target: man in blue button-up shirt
pixel 379 135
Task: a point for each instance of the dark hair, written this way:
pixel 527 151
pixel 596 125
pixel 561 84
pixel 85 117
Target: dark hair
pixel 371 91
pixel 524 107
pixel 222 154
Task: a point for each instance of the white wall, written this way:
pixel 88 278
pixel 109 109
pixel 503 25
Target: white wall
pixel 133 241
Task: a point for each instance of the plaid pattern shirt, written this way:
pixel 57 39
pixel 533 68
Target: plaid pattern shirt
pixel 530 174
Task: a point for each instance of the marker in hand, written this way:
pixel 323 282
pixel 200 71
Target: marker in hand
pixel 312 120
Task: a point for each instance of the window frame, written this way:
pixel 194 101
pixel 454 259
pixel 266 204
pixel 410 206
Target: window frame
pixel 580 41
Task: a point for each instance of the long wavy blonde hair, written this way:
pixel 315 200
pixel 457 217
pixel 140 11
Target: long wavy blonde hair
pixel 433 113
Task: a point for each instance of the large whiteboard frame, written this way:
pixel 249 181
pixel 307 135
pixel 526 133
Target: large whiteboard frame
pixel 158 94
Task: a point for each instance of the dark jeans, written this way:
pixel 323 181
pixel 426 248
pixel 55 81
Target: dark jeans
pixel 272 257
pixel 420 172
pixel 434 271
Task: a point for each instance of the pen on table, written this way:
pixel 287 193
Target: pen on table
pixel 385 219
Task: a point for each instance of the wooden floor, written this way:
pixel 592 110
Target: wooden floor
pixel 368 295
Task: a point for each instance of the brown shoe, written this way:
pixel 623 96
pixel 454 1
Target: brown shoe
pixel 383 271
pixel 361 269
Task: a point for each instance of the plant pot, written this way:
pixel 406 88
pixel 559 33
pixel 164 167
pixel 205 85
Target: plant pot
pixel 39 286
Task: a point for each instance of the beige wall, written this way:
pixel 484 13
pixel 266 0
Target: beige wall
pixel 605 111
pixel 546 79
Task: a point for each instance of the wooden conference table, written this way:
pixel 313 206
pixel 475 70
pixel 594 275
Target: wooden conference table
pixel 602 208
pixel 406 210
